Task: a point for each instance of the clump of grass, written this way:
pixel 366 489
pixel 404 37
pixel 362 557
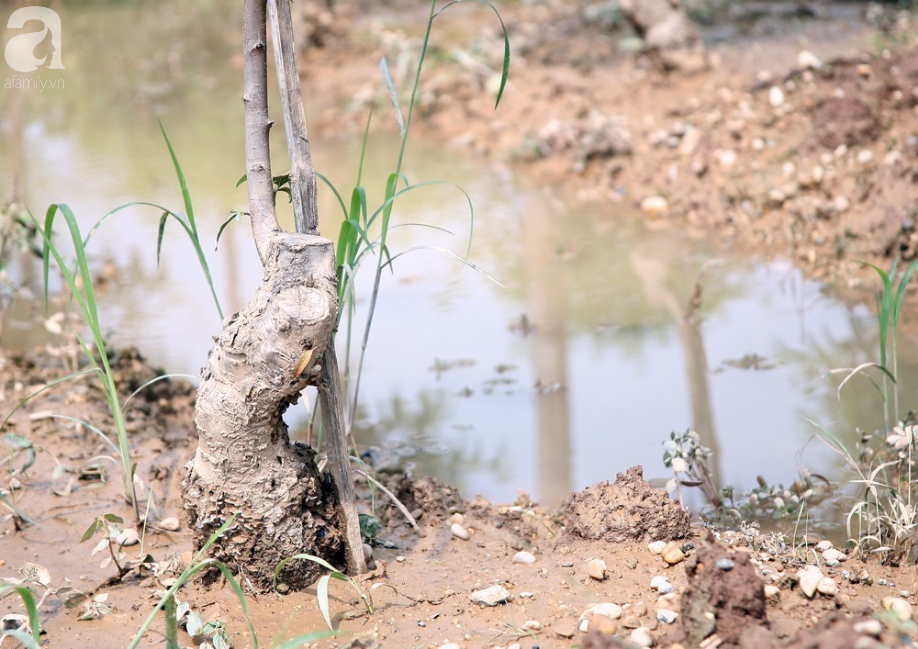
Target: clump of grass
pixel 357 237
pixel 80 284
pixel 884 519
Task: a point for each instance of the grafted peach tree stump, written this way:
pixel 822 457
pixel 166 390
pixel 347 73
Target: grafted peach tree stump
pixel 266 354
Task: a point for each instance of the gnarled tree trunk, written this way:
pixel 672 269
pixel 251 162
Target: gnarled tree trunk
pixel 264 357
pixel 245 463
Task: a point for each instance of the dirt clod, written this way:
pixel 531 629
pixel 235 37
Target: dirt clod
pixel 628 510
pixel 725 602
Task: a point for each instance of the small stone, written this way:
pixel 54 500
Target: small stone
pixel 758 144
pixel 170 524
pixel 611 611
pixel 596 569
pixel 672 553
pixel 899 607
pixel 449 645
pixel 523 557
pixel 865 157
pixel 809 579
pixel 808 61
pixel 656 547
pixel 400 559
pixel 527 595
pixel 818 174
pixel 584 626
pixel 726 157
pixel 655 206
pixel 457 518
pixel 658 581
pixel 565 628
pixel 603 624
pixel 459 532
pixel 631 622
pixel 827 586
pixel 367 552
pixel 864 69
pixel 128 537
pixel 491 596
pixel 725 564
pixel 892 158
pixel 834 555
pixel 772 591
pixel 641 637
pixel 841 204
pixel 666 616
pixel 690 142
pixel 775 96
pixel 532 625
pixel 869 627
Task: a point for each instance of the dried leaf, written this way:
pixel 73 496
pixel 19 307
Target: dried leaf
pixel 303 363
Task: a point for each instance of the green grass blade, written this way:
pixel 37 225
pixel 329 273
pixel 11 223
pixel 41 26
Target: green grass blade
pixel 193 568
pixel 900 292
pixel 334 191
pixel 161 377
pixel 28 599
pixel 505 68
pixel 186 195
pixel 241 597
pixel 393 95
pixel 161 230
pixel 24 638
pixel 322 597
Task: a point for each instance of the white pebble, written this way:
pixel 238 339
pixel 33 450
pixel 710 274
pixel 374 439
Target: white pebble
pixel 655 206
pixel 827 586
pixel 656 547
pixel 611 611
pixel 459 532
pixel 170 524
pixel 666 616
pixel 491 596
pixel 532 625
pixel 596 569
pixel 808 61
pixel 775 96
pixel 865 157
pixel 901 608
pixel 128 537
pixel 834 555
pixel 523 557
pixel 641 637
pixel 870 627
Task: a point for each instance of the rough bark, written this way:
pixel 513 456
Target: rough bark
pixel 245 463
pixel 264 357
pixel 306 217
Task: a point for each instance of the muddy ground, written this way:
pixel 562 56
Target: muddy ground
pixel 586 575
pixel 811 157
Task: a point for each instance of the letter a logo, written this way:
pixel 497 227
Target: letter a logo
pixel 19 51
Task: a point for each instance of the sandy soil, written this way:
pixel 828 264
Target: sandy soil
pixel 815 162
pixel 747 589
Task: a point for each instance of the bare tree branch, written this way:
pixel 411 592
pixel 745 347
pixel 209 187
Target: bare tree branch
pixel 257 125
pixel 302 172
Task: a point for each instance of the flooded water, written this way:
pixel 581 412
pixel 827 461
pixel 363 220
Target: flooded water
pixel 573 363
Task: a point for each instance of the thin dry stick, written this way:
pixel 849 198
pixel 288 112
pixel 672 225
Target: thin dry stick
pixel 303 186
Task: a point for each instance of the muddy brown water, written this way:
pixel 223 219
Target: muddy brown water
pixel 571 362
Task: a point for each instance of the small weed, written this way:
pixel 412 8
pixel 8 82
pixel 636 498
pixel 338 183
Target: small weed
pixel 885 517
pixel 323 583
pixel 690 461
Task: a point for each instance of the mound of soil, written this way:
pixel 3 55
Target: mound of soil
pixel 629 510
